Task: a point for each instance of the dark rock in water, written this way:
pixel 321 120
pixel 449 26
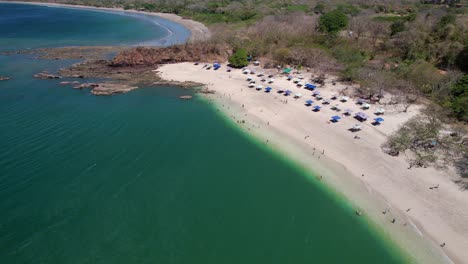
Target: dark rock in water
pixel 185 84
pixel 4 78
pixel 86 85
pixel 185 97
pixel 206 91
pixel 112 88
pixel 45 75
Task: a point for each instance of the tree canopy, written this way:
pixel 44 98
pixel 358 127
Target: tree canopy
pixel 239 59
pixel 459 100
pixel 333 21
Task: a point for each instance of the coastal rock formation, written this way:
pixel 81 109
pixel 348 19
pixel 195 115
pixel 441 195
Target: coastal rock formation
pixel 86 85
pixel 45 75
pixel 185 97
pixel 180 53
pixel 178 84
pixel 206 91
pixel 73 52
pixel 112 88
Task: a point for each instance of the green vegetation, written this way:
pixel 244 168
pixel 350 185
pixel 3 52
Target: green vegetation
pixel 422 135
pixel 397 27
pixel 333 21
pixel 295 8
pixel 458 99
pixel 239 59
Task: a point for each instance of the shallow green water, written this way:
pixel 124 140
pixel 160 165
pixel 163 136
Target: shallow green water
pixel 144 177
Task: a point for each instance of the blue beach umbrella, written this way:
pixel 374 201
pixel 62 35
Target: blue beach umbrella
pixel 309 102
pixel 288 92
pixel 310 86
pixel 378 120
pixel 268 89
pixel 335 118
pixel 317 108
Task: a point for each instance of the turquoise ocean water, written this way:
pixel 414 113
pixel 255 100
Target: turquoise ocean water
pixel 144 177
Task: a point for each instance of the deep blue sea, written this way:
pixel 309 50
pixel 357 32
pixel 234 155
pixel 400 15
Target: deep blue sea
pixel 144 177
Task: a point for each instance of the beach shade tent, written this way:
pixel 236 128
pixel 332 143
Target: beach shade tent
pixel 301 83
pixel 250 78
pixel 288 92
pixel 356 127
pixel 249 58
pixel 317 108
pixel 290 77
pixel 246 71
pixel 336 107
pixel 326 101
pixel 365 106
pixel 380 111
pixel 229 69
pixel 334 96
pixel 252 71
pixel 271 80
pixel 316 93
pixel 310 86
pixel 298 95
pixel 361 116
pixel 260 74
pixel 216 65
pixel 270 76
pixel 259 87
pixel 344 98
pixel 251 85
pixel 378 120
pixel 309 102
pixel 348 111
pixel 268 89
pixel 295 80
pixel 301 76
pixel 287 70
pixel 361 101
pixel 256 63
pixel 280 91
pixel 335 118
pixel 319 97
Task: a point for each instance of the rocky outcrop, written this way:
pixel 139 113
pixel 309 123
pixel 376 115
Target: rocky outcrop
pixel 112 88
pixel 185 97
pixel 178 84
pixel 86 85
pixel 46 75
pixel 173 54
pixel 206 91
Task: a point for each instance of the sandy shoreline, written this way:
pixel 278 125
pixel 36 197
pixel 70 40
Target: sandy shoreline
pixel 435 216
pixel 197 29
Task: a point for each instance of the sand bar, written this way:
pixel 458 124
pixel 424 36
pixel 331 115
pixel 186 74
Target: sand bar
pixel 435 216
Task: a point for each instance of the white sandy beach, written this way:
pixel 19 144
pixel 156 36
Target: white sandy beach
pixel 197 29
pixel 436 216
